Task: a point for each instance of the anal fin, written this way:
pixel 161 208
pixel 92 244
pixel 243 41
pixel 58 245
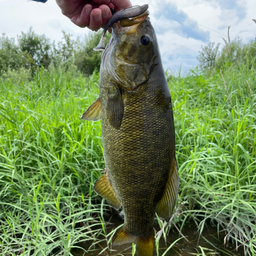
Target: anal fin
pixel 93 113
pixel 104 189
pixel 123 237
pixel 166 205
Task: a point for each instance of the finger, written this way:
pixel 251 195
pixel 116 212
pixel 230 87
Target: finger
pixel 106 14
pixel 70 8
pixel 100 2
pixel 95 19
pixel 83 19
pixel 120 5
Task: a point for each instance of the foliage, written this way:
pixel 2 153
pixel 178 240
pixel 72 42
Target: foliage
pixel 50 159
pixel 237 53
pixel 32 52
pixel 86 59
pixel 10 54
pixel 207 55
pixel 233 53
pixel 38 48
pixel 216 141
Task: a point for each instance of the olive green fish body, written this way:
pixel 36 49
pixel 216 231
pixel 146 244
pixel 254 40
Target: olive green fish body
pixel 138 155
pixel 137 132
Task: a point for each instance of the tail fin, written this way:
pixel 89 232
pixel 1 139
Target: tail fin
pixel 144 245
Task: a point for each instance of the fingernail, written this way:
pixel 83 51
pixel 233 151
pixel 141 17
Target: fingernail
pixel 87 10
pixel 97 17
pixel 105 14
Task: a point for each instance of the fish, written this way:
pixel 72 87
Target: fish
pixel 138 136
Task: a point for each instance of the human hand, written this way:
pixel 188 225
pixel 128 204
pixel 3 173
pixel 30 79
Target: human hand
pixel 93 14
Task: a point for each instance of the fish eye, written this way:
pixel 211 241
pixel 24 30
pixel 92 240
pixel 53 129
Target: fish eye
pixel 145 40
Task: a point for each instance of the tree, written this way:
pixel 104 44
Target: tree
pixel 11 56
pixel 38 48
pixel 208 55
pixel 86 59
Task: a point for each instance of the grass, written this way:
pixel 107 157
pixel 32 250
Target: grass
pixel 50 159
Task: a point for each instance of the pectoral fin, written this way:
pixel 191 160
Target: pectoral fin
pixel 115 108
pixel 93 113
pixel 166 205
pixel 104 189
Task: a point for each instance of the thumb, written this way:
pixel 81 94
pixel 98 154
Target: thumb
pixel 121 4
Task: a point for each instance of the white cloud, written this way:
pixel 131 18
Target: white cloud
pixel 20 15
pixel 181 32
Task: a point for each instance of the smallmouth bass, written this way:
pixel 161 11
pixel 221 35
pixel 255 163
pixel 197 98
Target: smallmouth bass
pixel 137 131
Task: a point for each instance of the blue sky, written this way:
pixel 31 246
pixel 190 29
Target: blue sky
pixel 182 26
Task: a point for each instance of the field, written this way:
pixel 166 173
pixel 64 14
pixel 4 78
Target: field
pixel 50 159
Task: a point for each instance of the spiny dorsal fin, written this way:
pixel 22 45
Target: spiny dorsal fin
pixel 93 113
pixel 166 205
pixel 104 189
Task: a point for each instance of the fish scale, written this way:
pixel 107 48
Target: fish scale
pixel 127 154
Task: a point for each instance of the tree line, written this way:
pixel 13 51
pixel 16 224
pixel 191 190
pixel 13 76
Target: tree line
pixel 32 52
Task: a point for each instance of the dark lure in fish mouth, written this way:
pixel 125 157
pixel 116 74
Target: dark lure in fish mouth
pixel 127 13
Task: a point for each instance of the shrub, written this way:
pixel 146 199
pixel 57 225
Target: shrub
pixel 86 59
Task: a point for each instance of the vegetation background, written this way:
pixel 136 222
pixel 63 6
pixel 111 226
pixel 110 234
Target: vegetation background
pixel 50 159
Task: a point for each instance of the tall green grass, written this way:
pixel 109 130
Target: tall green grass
pixel 215 120
pixel 50 159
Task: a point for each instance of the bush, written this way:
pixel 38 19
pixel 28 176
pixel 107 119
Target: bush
pixel 208 55
pixel 37 48
pixel 233 53
pixel 10 54
pixel 237 53
pixel 86 59
pixel 32 52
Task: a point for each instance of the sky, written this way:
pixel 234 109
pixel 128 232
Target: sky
pixel 182 26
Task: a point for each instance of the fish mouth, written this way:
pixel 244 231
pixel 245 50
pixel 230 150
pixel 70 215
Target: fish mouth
pixel 131 24
pixel 126 14
pixel 134 20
